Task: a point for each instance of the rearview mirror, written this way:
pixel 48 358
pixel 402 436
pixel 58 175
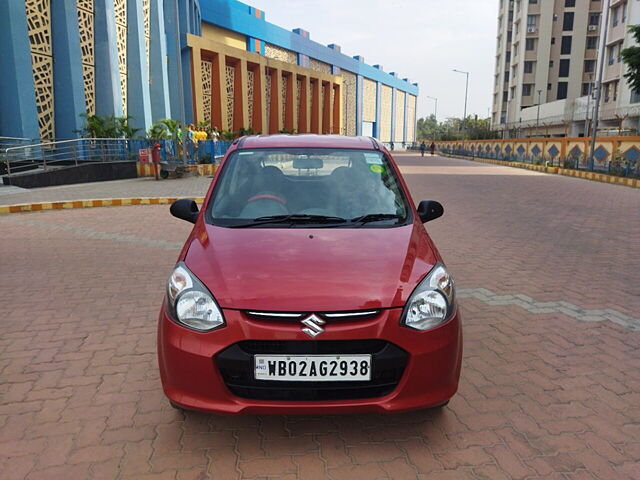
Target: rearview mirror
pixel 430 210
pixel 185 209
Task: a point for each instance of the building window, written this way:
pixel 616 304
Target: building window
pixel 531 21
pixel 569 3
pixel 635 97
pixel 606 93
pixel 586 89
pixel 509 36
pixel 589 66
pixel 564 67
pixel 562 90
pixel 526 89
pixel 548 86
pixel 530 44
pixel 507 57
pixel 567 24
pixel 611 54
pixel 533 2
pixel 624 13
pixel 614 87
pixel 550 63
pixel 506 77
pixel 594 19
pixel 505 96
pixel 616 14
pixel 553 40
pixel 528 67
pixel 619 52
pixel 565 48
pixel 592 43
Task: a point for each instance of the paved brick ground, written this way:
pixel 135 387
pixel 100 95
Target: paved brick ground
pixel 543 395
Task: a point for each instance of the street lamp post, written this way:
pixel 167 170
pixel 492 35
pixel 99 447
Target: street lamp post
pixel 538 115
pixel 596 111
pixel 466 94
pixel 435 110
pixel 586 115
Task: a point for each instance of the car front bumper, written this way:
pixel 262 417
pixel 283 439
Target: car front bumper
pixel 191 375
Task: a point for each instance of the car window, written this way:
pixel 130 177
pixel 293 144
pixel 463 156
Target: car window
pixel 341 184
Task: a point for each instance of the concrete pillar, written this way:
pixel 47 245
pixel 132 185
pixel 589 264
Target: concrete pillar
pixel 19 114
pixel 241 97
pixel 108 93
pixel 393 115
pixel 196 62
pixel 359 99
pixel 337 107
pixel 138 97
pixel 178 66
pixel 259 101
pixel 291 114
pixel 316 108
pixel 219 95
pixel 406 117
pixel 159 89
pixel 376 128
pixel 304 113
pixel 275 112
pixel 327 113
pixel 68 85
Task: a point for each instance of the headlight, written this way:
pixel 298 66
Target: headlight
pixel 190 303
pixel 432 302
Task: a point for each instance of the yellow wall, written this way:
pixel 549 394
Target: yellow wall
pixel 226 37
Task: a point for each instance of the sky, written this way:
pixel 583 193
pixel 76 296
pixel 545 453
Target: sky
pixel 422 40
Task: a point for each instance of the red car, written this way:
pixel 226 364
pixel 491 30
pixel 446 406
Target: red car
pixel 309 285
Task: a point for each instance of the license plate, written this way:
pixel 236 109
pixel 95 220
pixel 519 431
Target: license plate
pixel 313 368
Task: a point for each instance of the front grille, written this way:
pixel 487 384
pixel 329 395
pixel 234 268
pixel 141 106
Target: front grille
pixel 352 316
pixel 236 366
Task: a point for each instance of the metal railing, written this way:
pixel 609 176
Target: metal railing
pixel 44 156
pixel 7 142
pixel 66 152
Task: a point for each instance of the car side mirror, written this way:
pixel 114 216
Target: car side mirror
pixel 430 210
pixel 185 209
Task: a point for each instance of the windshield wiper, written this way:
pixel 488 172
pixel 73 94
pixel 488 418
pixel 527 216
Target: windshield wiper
pixel 376 217
pixel 299 219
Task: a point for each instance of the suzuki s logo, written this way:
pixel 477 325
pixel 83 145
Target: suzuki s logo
pixel 314 326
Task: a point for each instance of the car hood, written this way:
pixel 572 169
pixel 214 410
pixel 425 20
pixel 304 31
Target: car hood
pixel 310 270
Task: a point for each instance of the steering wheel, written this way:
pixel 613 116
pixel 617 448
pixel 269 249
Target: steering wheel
pixel 268 196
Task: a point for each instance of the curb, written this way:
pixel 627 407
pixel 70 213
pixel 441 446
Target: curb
pixel 105 202
pixel 201 170
pixel 567 172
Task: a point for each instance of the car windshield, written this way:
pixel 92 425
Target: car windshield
pixel 293 186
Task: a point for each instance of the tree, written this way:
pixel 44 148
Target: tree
pixel 631 56
pixel 107 126
pixel 455 129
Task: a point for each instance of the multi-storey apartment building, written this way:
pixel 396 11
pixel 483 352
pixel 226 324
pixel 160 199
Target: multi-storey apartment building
pixel 546 66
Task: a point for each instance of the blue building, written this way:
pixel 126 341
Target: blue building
pixel 212 61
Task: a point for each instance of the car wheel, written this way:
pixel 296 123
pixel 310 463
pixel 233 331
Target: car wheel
pixel 164 174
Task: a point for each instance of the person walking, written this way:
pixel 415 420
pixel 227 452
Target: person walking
pixel 432 147
pixel 423 147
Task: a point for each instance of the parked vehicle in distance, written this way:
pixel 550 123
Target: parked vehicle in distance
pixel 309 285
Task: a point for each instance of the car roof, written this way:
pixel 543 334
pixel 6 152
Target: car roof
pixel 307 140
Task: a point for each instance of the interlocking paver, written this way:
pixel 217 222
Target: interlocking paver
pixel 550 387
